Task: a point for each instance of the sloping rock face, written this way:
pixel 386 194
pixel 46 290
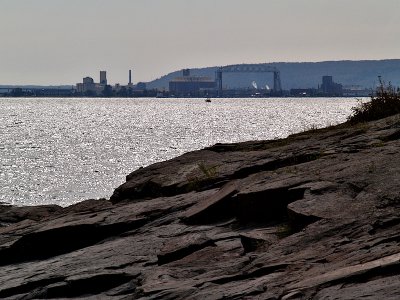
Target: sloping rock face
pixel 313 216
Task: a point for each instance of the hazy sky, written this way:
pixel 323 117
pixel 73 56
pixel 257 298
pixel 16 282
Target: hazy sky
pixel 61 41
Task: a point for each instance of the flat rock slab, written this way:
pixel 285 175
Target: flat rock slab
pixel 378 266
pixel 177 248
pixel 12 214
pixel 215 207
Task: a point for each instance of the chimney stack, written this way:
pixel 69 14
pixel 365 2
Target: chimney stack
pixel 130 77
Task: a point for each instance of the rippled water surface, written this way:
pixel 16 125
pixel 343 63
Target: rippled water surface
pixel 66 150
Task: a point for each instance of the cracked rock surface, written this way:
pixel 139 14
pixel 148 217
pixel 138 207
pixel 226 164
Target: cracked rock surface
pixel 313 216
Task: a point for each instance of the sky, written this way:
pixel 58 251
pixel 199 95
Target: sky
pixel 51 42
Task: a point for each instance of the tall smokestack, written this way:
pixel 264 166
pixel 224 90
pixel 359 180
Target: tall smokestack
pixel 130 77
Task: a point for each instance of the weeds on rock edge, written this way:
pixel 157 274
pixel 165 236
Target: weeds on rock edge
pixel 385 103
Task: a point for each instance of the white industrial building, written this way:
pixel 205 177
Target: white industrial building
pixel 88 84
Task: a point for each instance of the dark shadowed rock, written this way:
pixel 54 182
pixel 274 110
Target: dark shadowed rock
pixel 13 214
pixel 313 216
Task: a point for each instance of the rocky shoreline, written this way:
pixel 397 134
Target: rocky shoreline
pixel 313 216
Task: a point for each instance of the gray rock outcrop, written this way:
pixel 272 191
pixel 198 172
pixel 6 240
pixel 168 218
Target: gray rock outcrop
pixel 313 216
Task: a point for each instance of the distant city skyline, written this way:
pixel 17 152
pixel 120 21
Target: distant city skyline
pixel 51 42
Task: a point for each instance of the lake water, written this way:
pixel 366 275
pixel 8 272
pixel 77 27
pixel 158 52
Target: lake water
pixel 66 150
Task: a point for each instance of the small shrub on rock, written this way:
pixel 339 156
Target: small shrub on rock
pixel 385 103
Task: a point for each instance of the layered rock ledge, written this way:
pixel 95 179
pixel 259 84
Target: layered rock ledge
pixel 313 216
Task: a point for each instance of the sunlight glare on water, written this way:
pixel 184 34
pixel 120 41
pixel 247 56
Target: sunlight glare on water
pixel 63 151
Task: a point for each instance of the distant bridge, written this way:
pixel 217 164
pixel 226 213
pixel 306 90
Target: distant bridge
pixel 249 69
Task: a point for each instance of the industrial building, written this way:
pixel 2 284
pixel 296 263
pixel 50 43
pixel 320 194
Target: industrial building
pixel 330 88
pixel 37 92
pixel 103 77
pixel 89 87
pixel 196 86
pixel 191 86
pixel 357 91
